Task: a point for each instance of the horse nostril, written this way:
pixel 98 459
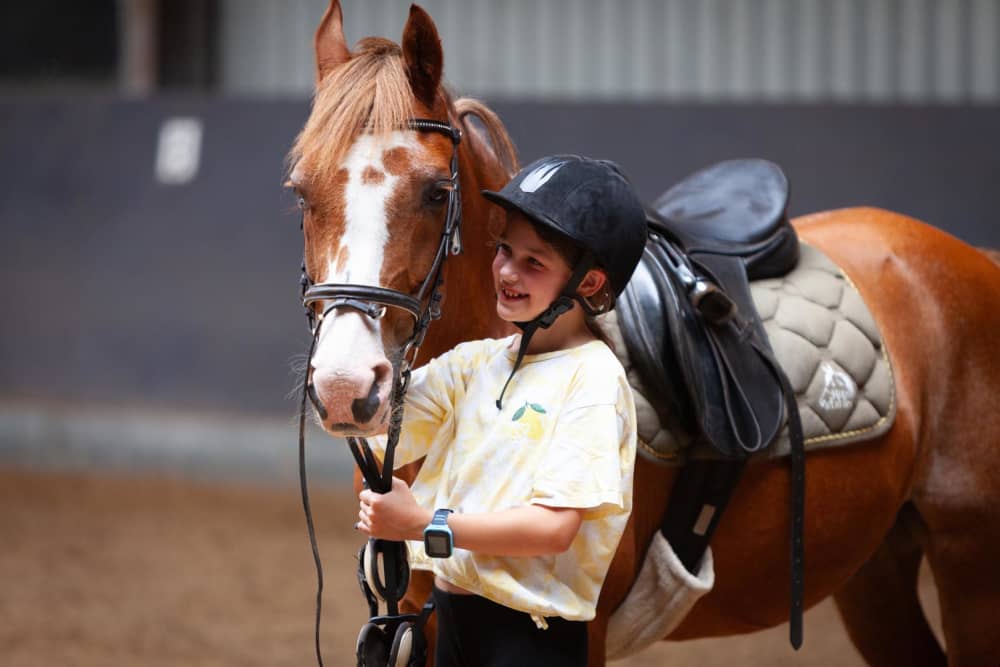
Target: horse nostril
pixel 383 372
pixel 318 404
pixel 365 408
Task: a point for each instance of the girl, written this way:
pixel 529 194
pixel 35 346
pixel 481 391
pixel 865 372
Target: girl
pixel 529 441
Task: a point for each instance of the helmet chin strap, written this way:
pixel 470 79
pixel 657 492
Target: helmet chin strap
pixel 562 304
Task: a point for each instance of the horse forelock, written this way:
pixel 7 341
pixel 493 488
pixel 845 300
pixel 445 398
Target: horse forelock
pixel 368 94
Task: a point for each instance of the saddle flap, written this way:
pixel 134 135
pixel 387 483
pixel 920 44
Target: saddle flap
pixel 717 382
pixel 650 310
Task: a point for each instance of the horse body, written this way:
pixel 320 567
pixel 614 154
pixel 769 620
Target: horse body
pixel 930 486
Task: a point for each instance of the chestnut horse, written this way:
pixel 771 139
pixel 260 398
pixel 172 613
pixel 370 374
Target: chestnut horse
pixel 371 191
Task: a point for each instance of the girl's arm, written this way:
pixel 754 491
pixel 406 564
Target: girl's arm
pixel 532 530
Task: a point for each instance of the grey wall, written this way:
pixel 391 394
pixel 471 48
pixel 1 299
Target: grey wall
pixel 115 287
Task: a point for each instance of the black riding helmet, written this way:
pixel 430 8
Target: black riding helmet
pixel 590 202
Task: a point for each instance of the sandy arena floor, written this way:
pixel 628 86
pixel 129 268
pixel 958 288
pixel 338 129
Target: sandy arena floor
pixel 149 571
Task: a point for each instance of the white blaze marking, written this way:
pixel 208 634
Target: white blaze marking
pixel 367 228
pixel 366 233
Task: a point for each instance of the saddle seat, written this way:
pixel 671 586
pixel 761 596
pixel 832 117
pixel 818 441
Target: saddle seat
pixel 735 208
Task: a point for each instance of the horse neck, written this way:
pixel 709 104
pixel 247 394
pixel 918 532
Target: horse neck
pixel 469 308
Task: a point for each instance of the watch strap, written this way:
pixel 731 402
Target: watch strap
pixel 440 517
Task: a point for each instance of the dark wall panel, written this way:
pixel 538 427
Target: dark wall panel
pixel 114 287
pixel 117 287
pixel 939 164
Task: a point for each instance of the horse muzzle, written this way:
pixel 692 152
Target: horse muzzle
pixel 352 402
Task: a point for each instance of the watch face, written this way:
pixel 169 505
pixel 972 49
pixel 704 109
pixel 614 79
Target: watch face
pixel 437 544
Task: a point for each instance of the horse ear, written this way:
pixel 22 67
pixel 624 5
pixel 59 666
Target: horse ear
pixel 331 47
pixel 422 55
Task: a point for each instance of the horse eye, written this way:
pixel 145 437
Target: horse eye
pixel 438 192
pixel 302 203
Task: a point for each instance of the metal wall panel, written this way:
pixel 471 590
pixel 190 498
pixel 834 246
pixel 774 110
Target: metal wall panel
pixel 881 51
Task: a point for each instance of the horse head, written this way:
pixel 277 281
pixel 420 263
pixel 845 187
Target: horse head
pixel 377 191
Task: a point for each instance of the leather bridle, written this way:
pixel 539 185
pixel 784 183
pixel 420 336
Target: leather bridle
pixel 372 301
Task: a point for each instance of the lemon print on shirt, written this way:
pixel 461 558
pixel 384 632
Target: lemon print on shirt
pixel 529 416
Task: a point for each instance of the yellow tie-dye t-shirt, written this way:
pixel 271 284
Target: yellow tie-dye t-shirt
pixel 566 437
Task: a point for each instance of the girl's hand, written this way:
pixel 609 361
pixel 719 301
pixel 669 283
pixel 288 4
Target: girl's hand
pixel 394 515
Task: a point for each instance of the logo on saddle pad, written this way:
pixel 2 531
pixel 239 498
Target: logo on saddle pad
pixel 839 389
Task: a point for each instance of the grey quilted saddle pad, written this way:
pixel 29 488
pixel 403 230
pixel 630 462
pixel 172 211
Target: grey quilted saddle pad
pixel 825 338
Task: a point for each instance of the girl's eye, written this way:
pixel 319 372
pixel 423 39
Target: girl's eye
pixel 535 262
pixel 502 248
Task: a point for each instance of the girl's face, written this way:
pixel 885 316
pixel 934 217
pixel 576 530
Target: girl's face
pixel 528 273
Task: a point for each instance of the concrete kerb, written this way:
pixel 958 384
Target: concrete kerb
pixel 229 447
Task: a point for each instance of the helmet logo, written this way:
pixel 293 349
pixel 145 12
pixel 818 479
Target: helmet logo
pixel 540 175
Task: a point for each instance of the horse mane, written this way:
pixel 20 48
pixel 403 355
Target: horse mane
pixel 369 93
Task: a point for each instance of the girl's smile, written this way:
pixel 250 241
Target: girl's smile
pixel 510 294
pixel 528 273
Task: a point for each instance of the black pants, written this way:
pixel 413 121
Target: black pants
pixel 475 632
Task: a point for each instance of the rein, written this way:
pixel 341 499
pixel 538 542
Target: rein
pixel 373 301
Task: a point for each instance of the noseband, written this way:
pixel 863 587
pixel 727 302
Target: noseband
pixel 372 301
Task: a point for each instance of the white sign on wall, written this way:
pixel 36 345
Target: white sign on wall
pixel 178 152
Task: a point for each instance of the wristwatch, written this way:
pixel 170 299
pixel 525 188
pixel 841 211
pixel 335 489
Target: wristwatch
pixel 438 540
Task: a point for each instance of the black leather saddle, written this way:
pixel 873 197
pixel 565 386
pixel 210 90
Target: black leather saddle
pixel 687 317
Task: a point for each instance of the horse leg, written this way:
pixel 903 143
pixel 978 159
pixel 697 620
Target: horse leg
pixel 880 607
pixel 418 593
pixel 597 631
pixel 957 492
pixel 963 558
pixel 957 483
